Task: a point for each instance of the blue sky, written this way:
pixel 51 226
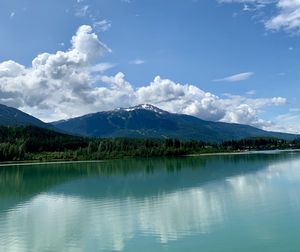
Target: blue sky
pixel 223 60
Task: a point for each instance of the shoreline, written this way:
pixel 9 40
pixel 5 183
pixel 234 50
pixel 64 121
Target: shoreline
pixel 242 152
pixel 38 162
pixel 217 154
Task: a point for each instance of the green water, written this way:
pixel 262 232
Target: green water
pixel 243 203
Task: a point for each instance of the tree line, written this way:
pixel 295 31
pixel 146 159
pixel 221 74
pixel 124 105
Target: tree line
pixel 32 143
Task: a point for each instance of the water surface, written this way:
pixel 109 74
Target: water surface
pixel 245 202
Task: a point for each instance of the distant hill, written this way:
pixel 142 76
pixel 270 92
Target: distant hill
pixel 147 121
pixel 13 117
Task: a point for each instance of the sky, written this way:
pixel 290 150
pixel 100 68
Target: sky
pixel 222 60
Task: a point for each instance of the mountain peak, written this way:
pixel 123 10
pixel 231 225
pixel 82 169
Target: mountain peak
pixel 144 107
pixel 148 121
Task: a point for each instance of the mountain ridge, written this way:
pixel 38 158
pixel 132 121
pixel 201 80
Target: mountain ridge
pixel 146 120
pixel 10 116
pixel 141 121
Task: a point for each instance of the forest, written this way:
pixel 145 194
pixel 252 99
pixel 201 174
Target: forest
pixel 33 143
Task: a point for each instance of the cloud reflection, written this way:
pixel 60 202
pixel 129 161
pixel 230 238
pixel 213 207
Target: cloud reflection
pixel 61 222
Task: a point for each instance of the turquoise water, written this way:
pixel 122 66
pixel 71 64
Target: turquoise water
pixel 245 202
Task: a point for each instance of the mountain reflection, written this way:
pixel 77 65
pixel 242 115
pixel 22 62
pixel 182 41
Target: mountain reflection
pixel 102 206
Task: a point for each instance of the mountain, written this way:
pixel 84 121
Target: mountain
pixel 148 121
pixel 13 117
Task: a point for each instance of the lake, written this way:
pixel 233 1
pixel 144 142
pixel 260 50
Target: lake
pixel 248 202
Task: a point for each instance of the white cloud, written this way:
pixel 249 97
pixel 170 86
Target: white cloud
pixel 248 5
pixel 251 92
pixel 102 25
pixel 137 62
pixel 12 14
pixel 101 67
pixel 255 2
pixel 187 99
pixel 247 8
pixel 245 110
pixel 81 11
pixel 11 69
pixel 237 77
pixel 286 17
pixel 72 83
pixel 55 82
pixel 290 120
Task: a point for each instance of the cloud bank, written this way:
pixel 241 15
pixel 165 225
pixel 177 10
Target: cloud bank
pixel 73 82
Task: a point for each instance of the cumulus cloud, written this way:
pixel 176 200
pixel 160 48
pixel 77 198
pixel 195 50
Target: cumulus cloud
pixel 11 69
pixel 237 77
pixel 87 44
pixel 73 82
pixel 54 82
pixel 176 97
pixel 246 110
